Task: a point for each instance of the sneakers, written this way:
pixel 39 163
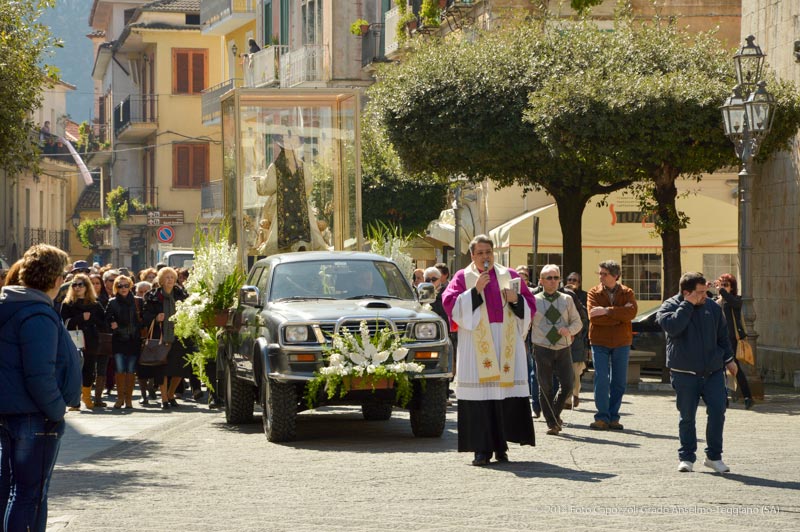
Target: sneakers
pixel 685 466
pixel 717 465
pixel 598 425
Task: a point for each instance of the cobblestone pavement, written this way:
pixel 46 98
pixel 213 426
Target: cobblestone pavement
pixel 188 470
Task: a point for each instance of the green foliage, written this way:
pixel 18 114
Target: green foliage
pixel 399 201
pixel 25 44
pixel 118 205
pixel 355 27
pixel 86 229
pixel 430 14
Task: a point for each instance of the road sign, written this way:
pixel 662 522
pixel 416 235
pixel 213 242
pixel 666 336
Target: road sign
pixel 155 218
pixel 165 233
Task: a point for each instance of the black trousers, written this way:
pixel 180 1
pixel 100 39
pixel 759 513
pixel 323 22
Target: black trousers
pixel 551 362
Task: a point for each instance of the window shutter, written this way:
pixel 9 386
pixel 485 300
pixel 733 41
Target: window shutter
pixel 198 72
pixel 199 164
pixel 180 74
pixel 182 160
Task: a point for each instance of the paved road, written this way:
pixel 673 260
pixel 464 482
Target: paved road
pixel 188 470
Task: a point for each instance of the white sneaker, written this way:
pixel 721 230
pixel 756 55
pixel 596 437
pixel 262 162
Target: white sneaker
pixel 717 465
pixel 685 466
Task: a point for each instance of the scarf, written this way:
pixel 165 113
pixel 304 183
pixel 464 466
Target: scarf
pixel 482 341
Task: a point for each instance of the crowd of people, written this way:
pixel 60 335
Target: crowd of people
pixel 516 339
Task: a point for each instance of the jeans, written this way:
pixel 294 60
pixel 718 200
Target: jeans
pixel 610 380
pixel 29 446
pixel 533 384
pixel 125 363
pixel 689 389
pixel 552 363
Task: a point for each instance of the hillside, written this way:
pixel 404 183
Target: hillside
pixel 70 22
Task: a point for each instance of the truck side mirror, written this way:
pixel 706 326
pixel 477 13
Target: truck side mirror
pixel 249 296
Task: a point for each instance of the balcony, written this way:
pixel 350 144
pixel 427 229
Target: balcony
pixel 262 69
pixel 392 43
pixel 59 239
pixel 136 117
pixel 305 65
pixel 35 236
pixel 142 199
pixel 210 100
pixel 371 49
pixel 211 199
pixel 97 150
pixel 220 17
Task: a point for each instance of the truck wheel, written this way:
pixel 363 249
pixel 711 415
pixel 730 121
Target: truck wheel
pixel 376 410
pixel 429 411
pixel 239 399
pixel 279 403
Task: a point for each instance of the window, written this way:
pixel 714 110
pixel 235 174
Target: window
pixel 268 31
pixel 312 21
pixel 642 273
pixel 542 259
pixel 189 165
pixel 715 264
pixel 189 71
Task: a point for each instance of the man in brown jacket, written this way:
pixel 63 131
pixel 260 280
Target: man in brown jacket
pixel 611 307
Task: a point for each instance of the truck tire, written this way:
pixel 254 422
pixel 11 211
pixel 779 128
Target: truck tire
pixel 376 410
pixel 279 403
pixel 239 399
pixel 429 410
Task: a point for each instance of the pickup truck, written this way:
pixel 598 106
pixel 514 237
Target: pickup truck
pixel 287 312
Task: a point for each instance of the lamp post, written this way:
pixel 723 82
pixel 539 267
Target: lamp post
pixel 747 121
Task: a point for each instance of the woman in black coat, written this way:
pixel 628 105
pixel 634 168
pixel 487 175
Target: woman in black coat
pixel 731 303
pixel 81 311
pixel 123 316
pixel 159 306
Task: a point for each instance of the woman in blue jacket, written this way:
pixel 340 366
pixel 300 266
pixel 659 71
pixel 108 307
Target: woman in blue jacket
pixel 40 375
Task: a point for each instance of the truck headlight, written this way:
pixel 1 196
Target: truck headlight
pixel 426 331
pixel 296 333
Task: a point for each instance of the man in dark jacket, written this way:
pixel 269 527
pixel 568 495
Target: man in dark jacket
pixel 40 375
pixel 698 351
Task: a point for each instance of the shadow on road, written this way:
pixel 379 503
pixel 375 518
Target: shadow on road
pixel 582 439
pixel 545 470
pixel 762 482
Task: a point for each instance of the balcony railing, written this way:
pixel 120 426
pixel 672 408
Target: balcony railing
pixel 59 239
pixel 35 236
pixel 210 100
pixel 212 11
pixel 262 69
pixel 142 199
pixel 135 109
pixel 371 49
pixel 211 199
pixel 391 43
pixel 305 64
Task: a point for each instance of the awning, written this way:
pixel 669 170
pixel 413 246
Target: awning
pixel 501 235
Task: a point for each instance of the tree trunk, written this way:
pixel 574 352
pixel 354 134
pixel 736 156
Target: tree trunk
pixel 669 225
pixel 570 215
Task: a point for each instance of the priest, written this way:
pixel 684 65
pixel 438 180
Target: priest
pixel 493 310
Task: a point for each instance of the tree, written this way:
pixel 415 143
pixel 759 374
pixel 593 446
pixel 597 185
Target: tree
pixel 24 43
pixel 456 108
pixel 648 108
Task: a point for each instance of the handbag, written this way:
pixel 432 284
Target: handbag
pixel 744 351
pixel 77 337
pixel 104 343
pixel 154 352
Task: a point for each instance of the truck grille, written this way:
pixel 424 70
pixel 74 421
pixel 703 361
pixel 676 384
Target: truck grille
pixel 329 328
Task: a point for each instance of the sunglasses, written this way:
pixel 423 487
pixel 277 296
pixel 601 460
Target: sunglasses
pixel 78 285
pixel 572 280
pixel 551 278
pixel 431 279
pixel 123 286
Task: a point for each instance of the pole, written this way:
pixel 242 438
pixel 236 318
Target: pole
pixel 746 249
pixel 534 275
pixel 457 240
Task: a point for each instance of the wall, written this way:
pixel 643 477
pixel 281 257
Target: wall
pixel 776 207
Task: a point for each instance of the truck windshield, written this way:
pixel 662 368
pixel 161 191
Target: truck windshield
pixel 338 279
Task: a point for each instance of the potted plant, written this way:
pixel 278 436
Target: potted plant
pixel 359 28
pixel 430 13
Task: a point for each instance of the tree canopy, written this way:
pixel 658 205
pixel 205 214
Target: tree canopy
pixel 24 43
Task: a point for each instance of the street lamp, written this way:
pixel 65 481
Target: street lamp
pixel 747 121
pixel 75 219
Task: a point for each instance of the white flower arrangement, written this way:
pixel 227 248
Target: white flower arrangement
pixel 213 287
pixel 389 242
pixel 373 358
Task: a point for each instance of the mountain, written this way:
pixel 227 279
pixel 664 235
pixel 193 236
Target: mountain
pixel 69 21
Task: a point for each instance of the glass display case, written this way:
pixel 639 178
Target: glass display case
pixel 292 174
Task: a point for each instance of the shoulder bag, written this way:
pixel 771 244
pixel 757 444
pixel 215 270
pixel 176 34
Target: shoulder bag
pixel 744 351
pixel 77 337
pixel 154 351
